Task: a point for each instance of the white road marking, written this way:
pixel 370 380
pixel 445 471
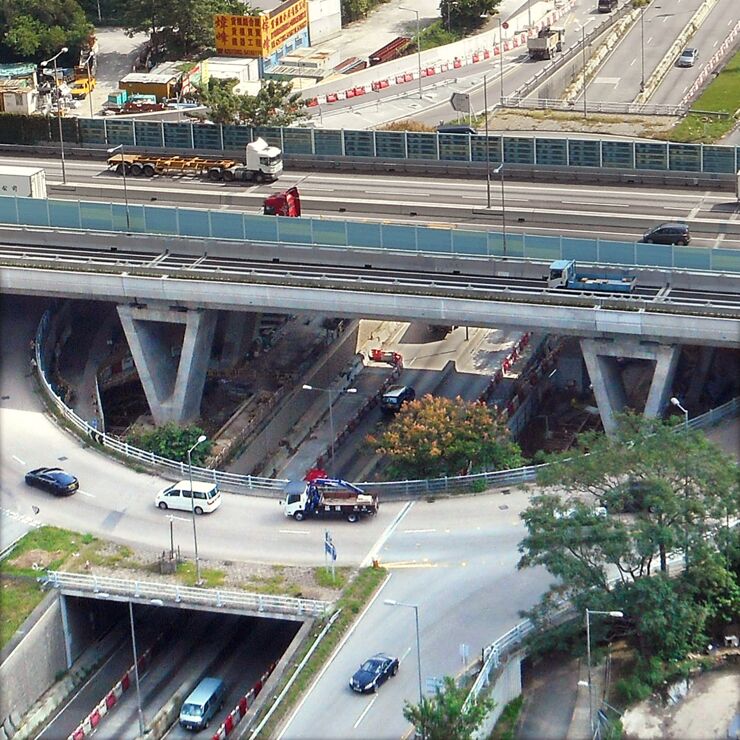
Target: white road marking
pixel 85 493
pixel 375 549
pixel 404 656
pixel 417 531
pixel 365 711
pixel 18 460
pixel 293 531
pixel 633 62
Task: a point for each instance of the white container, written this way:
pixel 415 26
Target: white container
pixel 23 182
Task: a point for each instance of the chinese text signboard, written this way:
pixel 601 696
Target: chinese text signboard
pixel 259 35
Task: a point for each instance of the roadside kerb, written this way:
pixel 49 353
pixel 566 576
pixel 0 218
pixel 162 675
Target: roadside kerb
pixel 668 60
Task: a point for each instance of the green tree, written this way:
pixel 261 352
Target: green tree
pixel 445 715
pixel 435 436
pixel 36 29
pixel 173 442
pixel 466 15
pixel 274 105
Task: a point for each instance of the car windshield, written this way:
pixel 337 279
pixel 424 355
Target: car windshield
pixel 62 478
pixel 370 666
pixel 192 710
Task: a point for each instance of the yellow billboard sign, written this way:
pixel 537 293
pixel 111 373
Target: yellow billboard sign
pixel 259 35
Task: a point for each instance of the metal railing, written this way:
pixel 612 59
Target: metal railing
pixel 645 109
pixel 103 586
pixel 245 484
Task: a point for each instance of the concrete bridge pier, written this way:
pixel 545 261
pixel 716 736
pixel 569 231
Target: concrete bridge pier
pixel 171 349
pixel 235 332
pixel 601 357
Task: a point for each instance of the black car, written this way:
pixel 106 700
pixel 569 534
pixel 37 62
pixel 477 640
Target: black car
pixel 670 233
pixel 54 480
pixel 395 397
pixel 373 672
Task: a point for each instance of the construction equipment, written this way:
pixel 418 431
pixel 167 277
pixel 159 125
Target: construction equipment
pixel 264 163
pixel 546 43
pixel 563 274
pixel 328 497
pixel 287 203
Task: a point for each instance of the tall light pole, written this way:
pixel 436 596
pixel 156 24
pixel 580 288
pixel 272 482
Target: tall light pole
pixel 202 438
pixel 113 150
pixel 500 171
pixel 501 58
pixel 642 49
pixel 330 392
pixel 583 53
pixel 488 148
pixel 136 669
pixel 415 607
pixel 589 612
pixel 418 40
pixel 64 50
pixel 678 405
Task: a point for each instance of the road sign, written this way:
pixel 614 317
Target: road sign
pixel 505 25
pixel 464 653
pixel 433 683
pixel 460 102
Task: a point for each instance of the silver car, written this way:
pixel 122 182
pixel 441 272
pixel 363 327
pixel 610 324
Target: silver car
pixel 687 58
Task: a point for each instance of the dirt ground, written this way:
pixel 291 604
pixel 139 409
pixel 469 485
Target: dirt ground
pixel 707 711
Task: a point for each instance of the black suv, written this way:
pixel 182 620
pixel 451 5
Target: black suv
pixel 670 233
pixel 395 397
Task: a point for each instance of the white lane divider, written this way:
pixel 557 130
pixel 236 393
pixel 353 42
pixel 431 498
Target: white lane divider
pixel 375 549
pixel 365 711
pixel 293 531
pixel 85 493
pixel 19 461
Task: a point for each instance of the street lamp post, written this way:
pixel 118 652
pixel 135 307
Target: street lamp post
pixel 64 50
pixel 418 40
pixel 136 669
pixel 330 392
pixel 415 607
pixel 113 150
pixel 501 59
pixel 583 53
pixel 500 171
pixel 488 148
pixel 589 612
pixel 642 49
pixel 200 439
pixel 685 411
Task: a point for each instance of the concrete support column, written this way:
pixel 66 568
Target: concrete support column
pixel 601 361
pixel 699 376
pixel 65 630
pixel 171 349
pixel 237 330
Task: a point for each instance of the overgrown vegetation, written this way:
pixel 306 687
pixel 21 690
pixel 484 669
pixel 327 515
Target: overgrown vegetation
pixel 18 598
pixel 505 728
pixel 721 98
pixel 356 595
pixel 436 34
pixel 211 577
pixel 466 16
pixel 172 441
pixel 353 10
pixel 435 436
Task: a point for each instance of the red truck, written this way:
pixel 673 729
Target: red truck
pixel 287 203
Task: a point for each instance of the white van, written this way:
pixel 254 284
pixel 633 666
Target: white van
pixel 206 497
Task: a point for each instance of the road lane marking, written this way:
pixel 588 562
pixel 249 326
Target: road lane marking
pixel 365 711
pixel 404 656
pixel 405 565
pixel 18 460
pixel 417 531
pixel 375 549
pixel 85 493
pixel 326 665
pixel 293 531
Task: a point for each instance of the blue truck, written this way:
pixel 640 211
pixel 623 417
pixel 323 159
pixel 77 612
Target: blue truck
pixel 564 274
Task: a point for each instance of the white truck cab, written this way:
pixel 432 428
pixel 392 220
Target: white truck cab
pixel 263 158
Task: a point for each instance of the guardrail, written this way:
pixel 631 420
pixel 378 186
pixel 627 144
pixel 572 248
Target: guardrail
pixel 646 109
pixel 245 484
pixel 218 598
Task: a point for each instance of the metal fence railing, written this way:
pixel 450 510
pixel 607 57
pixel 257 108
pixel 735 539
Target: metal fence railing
pixel 222 599
pixel 274 487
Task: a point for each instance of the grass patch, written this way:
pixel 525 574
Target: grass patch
pixel 17 600
pixel 722 96
pixel 211 577
pixel 49 547
pixel 506 726
pixel 357 593
pixel 322 576
pixel 435 34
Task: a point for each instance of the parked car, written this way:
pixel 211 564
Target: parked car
pixel 395 397
pixel 687 58
pixel 669 233
pixel 54 480
pixel 373 672
pixel 206 497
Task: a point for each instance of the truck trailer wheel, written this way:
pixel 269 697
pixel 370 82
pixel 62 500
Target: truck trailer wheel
pixel 352 517
pixel 299 516
pixel 148 170
pixel 119 168
pixel 136 169
pixel 215 174
pixel 228 176
pixel 259 178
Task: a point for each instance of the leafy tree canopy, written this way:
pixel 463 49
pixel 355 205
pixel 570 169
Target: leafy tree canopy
pixel 434 436
pixel 274 105
pixel 466 15
pixel 34 30
pixel 173 442
pixel 445 716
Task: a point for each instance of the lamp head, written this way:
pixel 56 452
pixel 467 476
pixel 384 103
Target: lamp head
pixel 307 387
pixel 675 401
pixel 390 602
pixel 202 438
pixel 616 614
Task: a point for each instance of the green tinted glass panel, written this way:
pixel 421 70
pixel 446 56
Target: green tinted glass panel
pixel 64 214
pixel 469 242
pixel 96 216
pixel 363 234
pixel 434 240
pixel 293 230
pixel 226 225
pixel 8 210
pixel 149 133
pixel 390 144
pixel 329 232
pixel 478 148
pixel 160 220
pixel 719 158
pixel 584 250
pixel 454 147
pixel 237 137
pixel 297 141
pixel 177 135
pixel 692 258
pixel 398 237
pixel 193 223
pixel 421 146
pixel 271 134
pixel 552 151
pixel 120 132
pixel 33 211
pixel 358 144
pixel 725 260
pixel 658 255
pixel 684 157
pixel 135 222
pixel 617 155
pixel 649 156
pixel 328 143
pixel 542 247
pixel 70 130
pixel 616 253
pixel 263 228
pixel 207 137
pixel 583 153
pixel 92 131
pixel 518 150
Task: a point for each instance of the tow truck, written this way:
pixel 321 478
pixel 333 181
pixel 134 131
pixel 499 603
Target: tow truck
pixel 327 497
pixel 564 274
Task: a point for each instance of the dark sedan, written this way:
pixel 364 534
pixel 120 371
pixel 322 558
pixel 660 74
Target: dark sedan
pixel 54 480
pixel 373 672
